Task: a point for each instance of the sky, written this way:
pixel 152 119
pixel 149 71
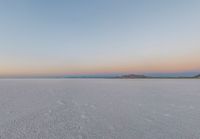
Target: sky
pixel 76 37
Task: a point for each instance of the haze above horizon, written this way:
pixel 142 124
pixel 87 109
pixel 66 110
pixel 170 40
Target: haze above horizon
pixel 56 38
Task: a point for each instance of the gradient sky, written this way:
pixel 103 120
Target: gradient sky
pixel 64 37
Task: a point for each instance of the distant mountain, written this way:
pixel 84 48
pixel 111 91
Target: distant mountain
pixel 197 76
pixel 133 76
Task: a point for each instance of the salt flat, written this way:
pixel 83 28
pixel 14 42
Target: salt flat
pixel 99 109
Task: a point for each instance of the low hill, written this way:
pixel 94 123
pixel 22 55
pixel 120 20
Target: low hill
pixel 135 76
pixel 197 76
pixel 132 76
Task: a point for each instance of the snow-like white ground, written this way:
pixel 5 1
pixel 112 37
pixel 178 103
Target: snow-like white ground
pixel 99 109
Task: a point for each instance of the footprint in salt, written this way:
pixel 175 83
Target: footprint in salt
pixel 84 117
pixel 9 112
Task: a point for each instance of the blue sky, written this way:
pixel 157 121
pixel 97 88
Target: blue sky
pixel 59 37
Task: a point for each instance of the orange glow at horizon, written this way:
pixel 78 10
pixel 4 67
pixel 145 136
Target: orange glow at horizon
pixel 160 67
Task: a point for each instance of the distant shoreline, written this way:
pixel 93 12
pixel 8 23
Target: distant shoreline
pixel 186 78
pixel 132 76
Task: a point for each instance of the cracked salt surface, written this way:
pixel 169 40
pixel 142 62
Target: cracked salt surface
pixel 99 109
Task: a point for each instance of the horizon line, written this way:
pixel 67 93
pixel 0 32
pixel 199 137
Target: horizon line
pixel 109 75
